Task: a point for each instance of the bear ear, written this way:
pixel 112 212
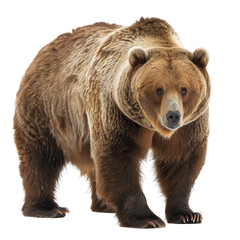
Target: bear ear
pixel 137 56
pixel 200 57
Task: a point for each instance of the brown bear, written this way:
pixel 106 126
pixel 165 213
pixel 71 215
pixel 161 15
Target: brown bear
pixel 100 98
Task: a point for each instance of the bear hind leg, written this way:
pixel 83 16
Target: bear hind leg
pixel 40 166
pixel 97 204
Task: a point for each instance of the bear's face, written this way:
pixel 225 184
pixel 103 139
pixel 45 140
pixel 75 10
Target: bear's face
pixel 170 86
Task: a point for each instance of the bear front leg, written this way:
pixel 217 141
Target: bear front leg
pixel 117 182
pixel 176 180
pixel 117 146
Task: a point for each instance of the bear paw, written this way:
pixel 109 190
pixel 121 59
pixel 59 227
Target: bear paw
pixel 143 223
pixel 57 212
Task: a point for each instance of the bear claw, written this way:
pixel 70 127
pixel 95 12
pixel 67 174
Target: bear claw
pixel 155 224
pixel 191 218
pixel 186 218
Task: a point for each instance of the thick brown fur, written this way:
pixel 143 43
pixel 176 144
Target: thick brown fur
pixel 98 98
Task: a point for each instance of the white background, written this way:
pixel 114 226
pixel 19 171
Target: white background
pixel 26 26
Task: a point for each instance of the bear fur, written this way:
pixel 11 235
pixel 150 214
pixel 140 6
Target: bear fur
pixel 100 98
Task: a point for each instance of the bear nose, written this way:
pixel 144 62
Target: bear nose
pixel 173 117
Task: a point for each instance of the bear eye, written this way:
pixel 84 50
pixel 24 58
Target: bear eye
pixel 183 91
pixel 159 91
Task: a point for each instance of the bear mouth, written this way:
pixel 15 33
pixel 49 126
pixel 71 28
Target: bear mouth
pixel 169 127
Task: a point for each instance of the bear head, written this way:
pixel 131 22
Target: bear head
pixel 171 86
